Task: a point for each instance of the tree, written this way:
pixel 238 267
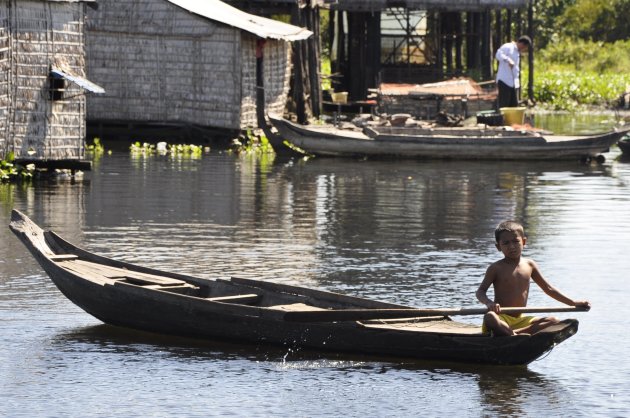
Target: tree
pixel 596 20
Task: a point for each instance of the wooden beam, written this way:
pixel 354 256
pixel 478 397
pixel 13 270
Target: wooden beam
pixel 68 164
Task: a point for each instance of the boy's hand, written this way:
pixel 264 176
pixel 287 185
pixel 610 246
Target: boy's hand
pixel 582 304
pixel 494 307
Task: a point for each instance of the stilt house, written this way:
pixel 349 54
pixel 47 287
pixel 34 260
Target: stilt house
pixel 185 62
pixel 42 84
pixel 419 41
pixel 371 42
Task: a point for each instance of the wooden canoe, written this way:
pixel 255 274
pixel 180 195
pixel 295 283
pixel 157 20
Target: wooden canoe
pixel 253 311
pixel 447 143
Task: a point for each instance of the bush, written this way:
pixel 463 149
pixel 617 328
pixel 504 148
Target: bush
pixel 585 56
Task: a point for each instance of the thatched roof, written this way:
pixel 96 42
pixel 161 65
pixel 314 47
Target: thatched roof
pixel 259 26
pixel 451 5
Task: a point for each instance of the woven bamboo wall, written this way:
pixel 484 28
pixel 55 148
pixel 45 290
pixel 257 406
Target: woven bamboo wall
pixel 159 63
pixel 5 99
pixel 38 34
pixel 276 73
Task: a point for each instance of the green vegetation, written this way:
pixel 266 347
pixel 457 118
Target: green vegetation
pixel 95 150
pixel 588 20
pixel 326 72
pixel 582 73
pixel 253 144
pixel 14 172
pixel 582 54
pixel 162 148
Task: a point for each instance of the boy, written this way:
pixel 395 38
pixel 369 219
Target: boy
pixel 510 278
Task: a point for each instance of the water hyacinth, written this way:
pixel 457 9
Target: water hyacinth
pixel 255 143
pixel 568 90
pixel 163 148
pixel 12 172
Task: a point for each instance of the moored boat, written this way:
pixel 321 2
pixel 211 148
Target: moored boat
pixel 484 142
pixel 142 298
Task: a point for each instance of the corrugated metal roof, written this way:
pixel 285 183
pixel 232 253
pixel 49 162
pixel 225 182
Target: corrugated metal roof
pixel 79 81
pixel 259 26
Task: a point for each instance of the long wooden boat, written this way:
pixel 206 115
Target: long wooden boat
pixel 142 298
pixel 449 143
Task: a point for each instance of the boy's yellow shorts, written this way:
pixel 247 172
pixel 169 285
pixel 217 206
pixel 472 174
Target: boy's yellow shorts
pixel 514 322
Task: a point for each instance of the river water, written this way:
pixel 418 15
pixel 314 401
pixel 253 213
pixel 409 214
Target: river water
pixel 412 232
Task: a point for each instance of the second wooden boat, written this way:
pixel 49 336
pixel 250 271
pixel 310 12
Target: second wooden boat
pixel 449 143
pixel 131 296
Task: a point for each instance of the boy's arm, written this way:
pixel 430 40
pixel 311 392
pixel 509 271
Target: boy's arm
pixel 552 291
pixel 483 289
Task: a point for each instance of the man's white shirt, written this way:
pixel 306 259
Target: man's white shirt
pixel 510 76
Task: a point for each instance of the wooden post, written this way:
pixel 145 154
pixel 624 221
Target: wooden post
pixel 470 59
pixel 300 60
pixel 314 60
pixel 508 28
pixel 373 53
pixel 530 55
pixel 439 47
pixel 332 14
pixel 341 48
pixel 486 62
pixel 458 43
pixel 356 53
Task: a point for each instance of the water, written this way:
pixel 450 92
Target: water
pixel 412 232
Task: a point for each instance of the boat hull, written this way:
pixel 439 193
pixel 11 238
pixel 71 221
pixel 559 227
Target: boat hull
pixel 101 287
pixel 458 144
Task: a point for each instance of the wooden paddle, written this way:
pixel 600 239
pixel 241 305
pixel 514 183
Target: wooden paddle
pixel 332 315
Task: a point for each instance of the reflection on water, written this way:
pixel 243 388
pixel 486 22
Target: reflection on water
pixel 412 232
pixel 576 123
pixel 510 391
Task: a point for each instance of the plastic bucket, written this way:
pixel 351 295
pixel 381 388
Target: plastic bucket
pixel 341 97
pixel 513 115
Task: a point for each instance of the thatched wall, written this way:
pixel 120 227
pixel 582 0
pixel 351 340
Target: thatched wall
pixel 33 36
pixel 5 99
pixel 160 63
pixel 276 75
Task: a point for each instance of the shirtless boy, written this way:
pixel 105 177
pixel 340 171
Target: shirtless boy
pixel 510 278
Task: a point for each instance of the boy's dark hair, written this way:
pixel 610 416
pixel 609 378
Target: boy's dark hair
pixel 509 226
pixel 525 40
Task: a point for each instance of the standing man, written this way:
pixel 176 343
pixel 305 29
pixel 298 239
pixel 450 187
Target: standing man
pixel 508 74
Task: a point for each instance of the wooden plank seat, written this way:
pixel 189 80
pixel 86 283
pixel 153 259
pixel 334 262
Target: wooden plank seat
pixel 119 274
pixel 445 327
pixel 247 299
pixel 184 289
pixel 295 307
pixel 63 257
